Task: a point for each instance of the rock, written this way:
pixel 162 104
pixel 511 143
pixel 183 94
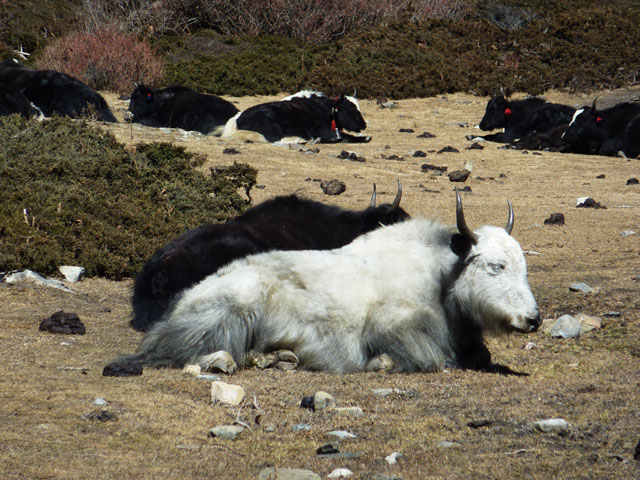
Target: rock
pixel 340 473
pixel 406 130
pixel 29 276
pixel 100 402
pixel 419 154
pixel 342 434
pixel 272 473
pixel 447 444
pixel 228 432
pixel 426 135
pixel 208 377
pixel 72 274
pixel 353 156
pixel 475 146
pixel 588 202
pixel 626 233
pixel 633 181
pixel 555 219
pixel 323 400
pixel 332 187
pixel 588 322
pixel 433 168
pixel 348 411
pixel 530 346
pixel 301 427
pixel 193 370
pixel 448 149
pixel 581 287
pixel 557 425
pixel 393 458
pixel 122 369
pixel 231 151
pixel 566 327
pixel 611 314
pixel 459 175
pixel 63 323
pixel 226 393
pixel 327 449
pixel 601 176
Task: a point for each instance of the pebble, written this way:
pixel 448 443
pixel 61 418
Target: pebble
pixel 101 402
pixel 228 432
pixel 580 287
pixel 72 274
pixel 272 473
pixel 323 400
pixel 589 322
pixel 626 233
pixel 459 175
pixel 557 425
pixel 393 458
pixel 566 327
pixel 226 393
pixel 302 427
pixel 208 376
pixel 341 434
pixel 193 370
pixel 348 412
pixel 530 346
pixel 332 187
pixel 340 473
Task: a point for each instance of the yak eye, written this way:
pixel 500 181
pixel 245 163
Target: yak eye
pixel 496 267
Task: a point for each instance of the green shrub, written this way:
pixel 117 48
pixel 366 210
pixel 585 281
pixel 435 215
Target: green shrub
pixel 71 194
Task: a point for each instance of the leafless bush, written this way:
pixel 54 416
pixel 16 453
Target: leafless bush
pixel 103 59
pixel 314 21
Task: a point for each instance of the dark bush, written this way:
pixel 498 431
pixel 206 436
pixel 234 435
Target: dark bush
pixel 71 194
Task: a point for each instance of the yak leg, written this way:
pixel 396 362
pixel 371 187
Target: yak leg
pixel 380 363
pixel 219 361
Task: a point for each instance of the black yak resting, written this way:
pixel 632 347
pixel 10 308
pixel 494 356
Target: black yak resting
pixel 282 223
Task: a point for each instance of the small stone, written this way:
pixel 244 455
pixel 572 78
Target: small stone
pixel 393 458
pixel 611 314
pixel 581 287
pixel 341 434
pixel 29 276
pixel 589 322
pixel 72 274
pixel 419 154
pixel 447 444
pixel 406 130
pixel 332 187
pixel 228 432
pixel 530 346
pixel 433 168
pixel 348 411
pixel 566 327
pixel 555 219
pixel 208 377
pixel 327 449
pixel 340 473
pixel 323 400
pixel 231 151
pixel 272 473
pixel 226 393
pixel 557 425
pixel 601 176
pixel 100 402
pixel 475 146
pixel 633 181
pixel 193 370
pixel 626 233
pixel 301 427
pixel 459 175
pixel 426 135
pixel 448 149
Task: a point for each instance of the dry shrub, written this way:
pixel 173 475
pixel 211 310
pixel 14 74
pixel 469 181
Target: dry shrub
pixel 313 21
pixel 104 59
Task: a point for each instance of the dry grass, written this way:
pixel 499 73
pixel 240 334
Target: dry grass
pixel 162 418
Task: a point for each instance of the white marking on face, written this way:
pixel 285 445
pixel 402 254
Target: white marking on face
pixel 354 101
pixel 303 94
pixel 575 115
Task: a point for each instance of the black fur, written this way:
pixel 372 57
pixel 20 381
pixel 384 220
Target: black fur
pixel 55 92
pixel 606 132
pixel 15 102
pixel 527 116
pixel 282 223
pixel 308 118
pixel 179 107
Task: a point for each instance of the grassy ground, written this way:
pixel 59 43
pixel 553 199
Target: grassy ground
pixel 161 420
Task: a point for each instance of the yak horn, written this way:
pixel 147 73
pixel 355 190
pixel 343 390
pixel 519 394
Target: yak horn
pixel 355 91
pixel 509 226
pixel 373 196
pixel 593 106
pixel 396 201
pixel 464 230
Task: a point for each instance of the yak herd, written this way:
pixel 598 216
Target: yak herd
pixel 344 291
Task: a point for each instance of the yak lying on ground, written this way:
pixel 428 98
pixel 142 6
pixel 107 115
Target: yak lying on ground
pixel 15 102
pixel 282 223
pixel 414 296
pixel 307 115
pixel 55 92
pixel 179 107
pixel 519 118
pixel 606 132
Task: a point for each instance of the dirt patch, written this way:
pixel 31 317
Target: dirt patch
pixel 158 423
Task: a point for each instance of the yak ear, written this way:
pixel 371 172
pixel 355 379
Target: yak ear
pixel 460 245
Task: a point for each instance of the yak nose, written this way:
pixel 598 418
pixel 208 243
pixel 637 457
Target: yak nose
pixel 535 321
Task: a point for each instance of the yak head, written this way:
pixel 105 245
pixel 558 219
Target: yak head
pixel 142 103
pixel 492 287
pixel 496 114
pixel 584 128
pixel 346 113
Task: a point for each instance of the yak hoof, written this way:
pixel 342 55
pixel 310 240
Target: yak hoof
pixel 381 363
pixel 219 361
pixel 280 359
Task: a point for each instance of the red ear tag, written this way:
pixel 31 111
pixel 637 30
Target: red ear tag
pixel 333 125
pixel 148 96
pixel 507 111
pixel 599 120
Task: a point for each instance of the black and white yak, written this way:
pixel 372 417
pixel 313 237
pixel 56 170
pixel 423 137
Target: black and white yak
pixel 180 107
pixel 55 92
pixel 414 296
pixel 522 118
pixel 282 223
pixel 306 115
pixel 613 131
